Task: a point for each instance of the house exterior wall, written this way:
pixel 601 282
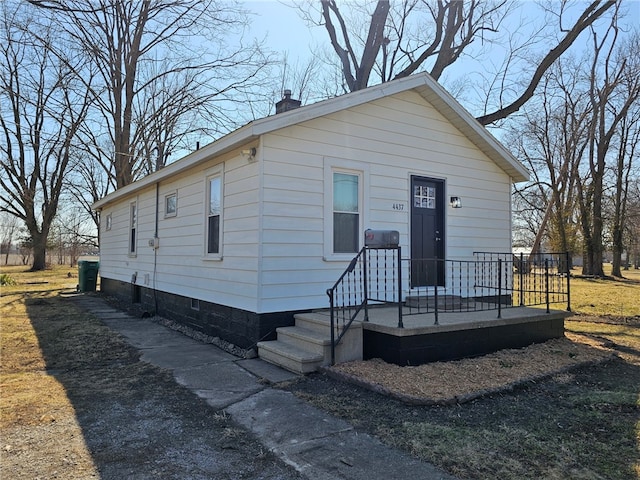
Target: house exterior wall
pixel 276 255
pixel 388 140
pixel 180 265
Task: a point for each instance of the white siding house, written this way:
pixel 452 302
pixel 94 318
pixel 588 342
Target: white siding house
pixel 261 222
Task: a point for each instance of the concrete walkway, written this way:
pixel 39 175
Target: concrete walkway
pixel 314 443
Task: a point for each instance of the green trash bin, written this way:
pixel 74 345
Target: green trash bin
pixel 87 275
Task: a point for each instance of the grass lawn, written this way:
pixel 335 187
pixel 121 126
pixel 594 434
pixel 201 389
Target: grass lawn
pixel 610 297
pixel 581 424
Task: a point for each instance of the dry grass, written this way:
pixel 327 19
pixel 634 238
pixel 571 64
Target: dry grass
pixel 28 393
pixel 36 416
pixel 617 297
pixel 77 403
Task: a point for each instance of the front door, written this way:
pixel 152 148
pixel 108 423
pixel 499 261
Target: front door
pixel 427 232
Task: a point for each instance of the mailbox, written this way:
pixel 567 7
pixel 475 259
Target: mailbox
pixel 381 238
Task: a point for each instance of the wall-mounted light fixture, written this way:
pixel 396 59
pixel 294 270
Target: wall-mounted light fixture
pixel 455 202
pixel 249 153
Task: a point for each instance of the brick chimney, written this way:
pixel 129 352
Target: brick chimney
pixel 287 103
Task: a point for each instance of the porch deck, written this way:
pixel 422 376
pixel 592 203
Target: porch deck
pixel 457 334
pixel 467 295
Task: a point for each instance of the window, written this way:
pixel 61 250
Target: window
pixel 214 212
pixel 424 197
pixel 108 222
pixel 195 304
pixel 346 212
pixel 346 190
pixel 133 224
pixel 171 205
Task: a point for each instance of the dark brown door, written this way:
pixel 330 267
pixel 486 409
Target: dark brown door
pixel 427 232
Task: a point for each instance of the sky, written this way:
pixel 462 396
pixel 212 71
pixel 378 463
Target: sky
pixel 285 29
pixel 466 80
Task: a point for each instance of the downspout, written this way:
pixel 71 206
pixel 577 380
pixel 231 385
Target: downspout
pixel 511 184
pixel 155 251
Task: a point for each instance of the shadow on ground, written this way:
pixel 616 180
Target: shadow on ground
pixel 136 421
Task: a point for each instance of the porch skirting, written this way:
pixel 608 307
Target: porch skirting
pixel 416 346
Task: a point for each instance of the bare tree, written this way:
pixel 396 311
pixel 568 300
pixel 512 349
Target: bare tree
pixel 8 230
pixel 614 90
pixel 74 234
pixel 125 39
pixel 628 147
pixel 42 107
pixel 412 35
pixel 550 138
pixel 627 135
pixel 631 232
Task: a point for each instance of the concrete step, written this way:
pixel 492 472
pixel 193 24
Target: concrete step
pixel 317 321
pixel 289 356
pixel 306 339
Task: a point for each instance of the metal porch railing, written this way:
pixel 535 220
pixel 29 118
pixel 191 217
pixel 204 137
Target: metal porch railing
pixel 490 281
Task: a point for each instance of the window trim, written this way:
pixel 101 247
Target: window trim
pixel 134 230
pixel 168 214
pixel 217 172
pixel 351 167
pixel 195 304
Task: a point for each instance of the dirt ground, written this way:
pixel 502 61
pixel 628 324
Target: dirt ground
pixel 76 402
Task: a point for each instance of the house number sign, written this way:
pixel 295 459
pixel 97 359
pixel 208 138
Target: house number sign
pixel 397 206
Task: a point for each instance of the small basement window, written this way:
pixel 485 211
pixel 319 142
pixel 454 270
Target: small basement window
pixel 195 304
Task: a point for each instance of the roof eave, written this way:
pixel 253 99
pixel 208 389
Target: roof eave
pixel 422 83
pixel 221 146
pixel 474 130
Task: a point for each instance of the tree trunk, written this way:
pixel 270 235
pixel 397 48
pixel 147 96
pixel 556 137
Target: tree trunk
pixel 617 252
pixel 39 251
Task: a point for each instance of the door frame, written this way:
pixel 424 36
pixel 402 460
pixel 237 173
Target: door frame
pixel 440 246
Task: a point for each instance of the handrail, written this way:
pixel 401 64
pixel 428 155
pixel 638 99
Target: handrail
pixel 351 294
pixel 374 276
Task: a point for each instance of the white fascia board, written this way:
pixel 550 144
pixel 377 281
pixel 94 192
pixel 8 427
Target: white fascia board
pixel 431 90
pixel 228 142
pixel 477 133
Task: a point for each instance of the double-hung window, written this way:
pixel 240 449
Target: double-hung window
pixel 214 215
pixel 133 227
pixel 346 212
pixel 346 184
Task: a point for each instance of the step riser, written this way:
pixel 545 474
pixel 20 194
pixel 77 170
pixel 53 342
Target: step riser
pixel 310 345
pixel 314 324
pixel 296 366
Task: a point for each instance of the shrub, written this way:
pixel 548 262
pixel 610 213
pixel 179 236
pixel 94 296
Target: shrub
pixel 6 279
